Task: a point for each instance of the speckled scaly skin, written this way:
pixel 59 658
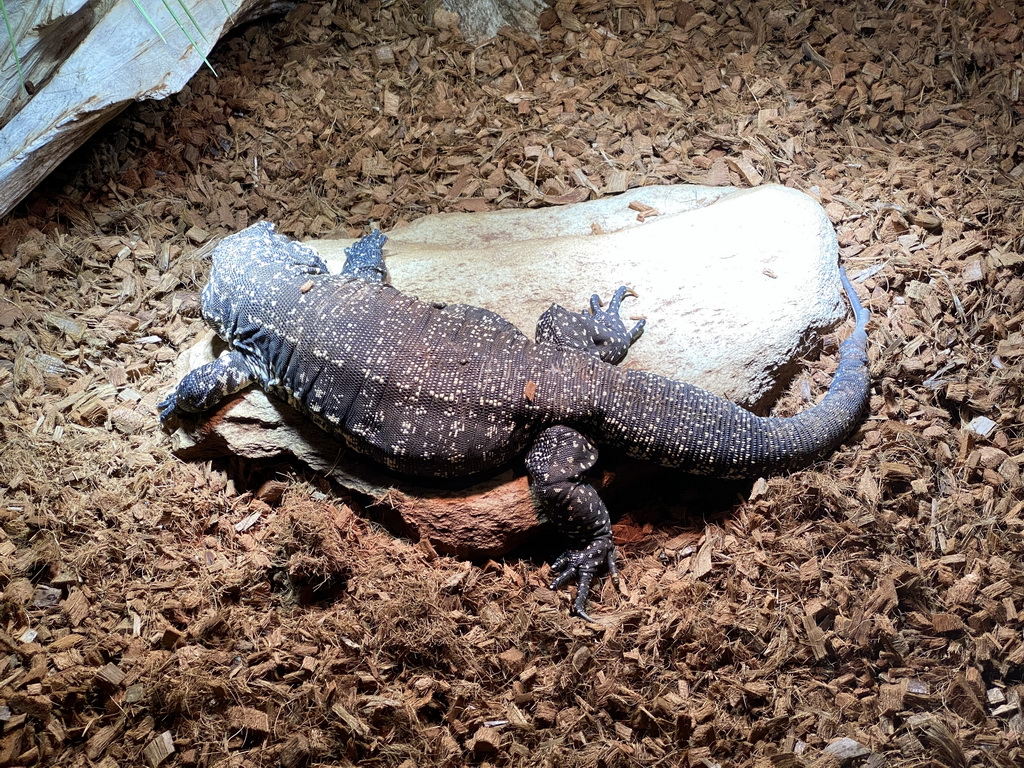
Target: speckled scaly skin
pixel 452 390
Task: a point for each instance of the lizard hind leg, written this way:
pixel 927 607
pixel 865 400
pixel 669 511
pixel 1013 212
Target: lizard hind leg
pixel 599 332
pixel 364 259
pixel 558 462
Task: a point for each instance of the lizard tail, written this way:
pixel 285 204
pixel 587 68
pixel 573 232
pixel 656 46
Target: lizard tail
pixel 679 425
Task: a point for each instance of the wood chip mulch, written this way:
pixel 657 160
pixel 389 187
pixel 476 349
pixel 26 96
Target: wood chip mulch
pixel 863 612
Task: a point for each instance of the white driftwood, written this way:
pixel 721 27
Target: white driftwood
pixel 83 61
pixel 480 19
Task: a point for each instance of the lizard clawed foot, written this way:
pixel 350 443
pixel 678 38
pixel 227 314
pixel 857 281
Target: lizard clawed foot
pixel 610 333
pixel 167 407
pixel 582 565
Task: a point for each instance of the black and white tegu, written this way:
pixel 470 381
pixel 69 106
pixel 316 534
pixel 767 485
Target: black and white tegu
pixel 449 390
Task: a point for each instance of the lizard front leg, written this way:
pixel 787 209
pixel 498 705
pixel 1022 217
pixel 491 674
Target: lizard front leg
pixel 207 385
pixel 365 258
pixel 558 462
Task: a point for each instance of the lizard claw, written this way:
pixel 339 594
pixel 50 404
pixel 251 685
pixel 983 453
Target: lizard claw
pixel 582 565
pixel 613 306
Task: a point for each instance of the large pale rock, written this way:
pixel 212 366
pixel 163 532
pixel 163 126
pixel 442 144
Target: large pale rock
pixel 733 283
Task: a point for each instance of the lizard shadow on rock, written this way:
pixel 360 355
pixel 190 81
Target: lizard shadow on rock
pixel 642 491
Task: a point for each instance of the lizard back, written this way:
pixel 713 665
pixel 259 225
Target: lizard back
pixel 426 389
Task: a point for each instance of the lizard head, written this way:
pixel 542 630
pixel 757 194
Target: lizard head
pixel 261 246
pixel 243 262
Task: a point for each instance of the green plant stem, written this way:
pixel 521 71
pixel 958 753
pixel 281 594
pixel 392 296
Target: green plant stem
pixel 14 46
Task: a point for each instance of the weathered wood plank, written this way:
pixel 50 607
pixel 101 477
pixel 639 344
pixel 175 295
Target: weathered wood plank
pixel 83 61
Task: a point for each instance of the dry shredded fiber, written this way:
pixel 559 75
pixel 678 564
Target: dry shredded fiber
pixel 864 612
